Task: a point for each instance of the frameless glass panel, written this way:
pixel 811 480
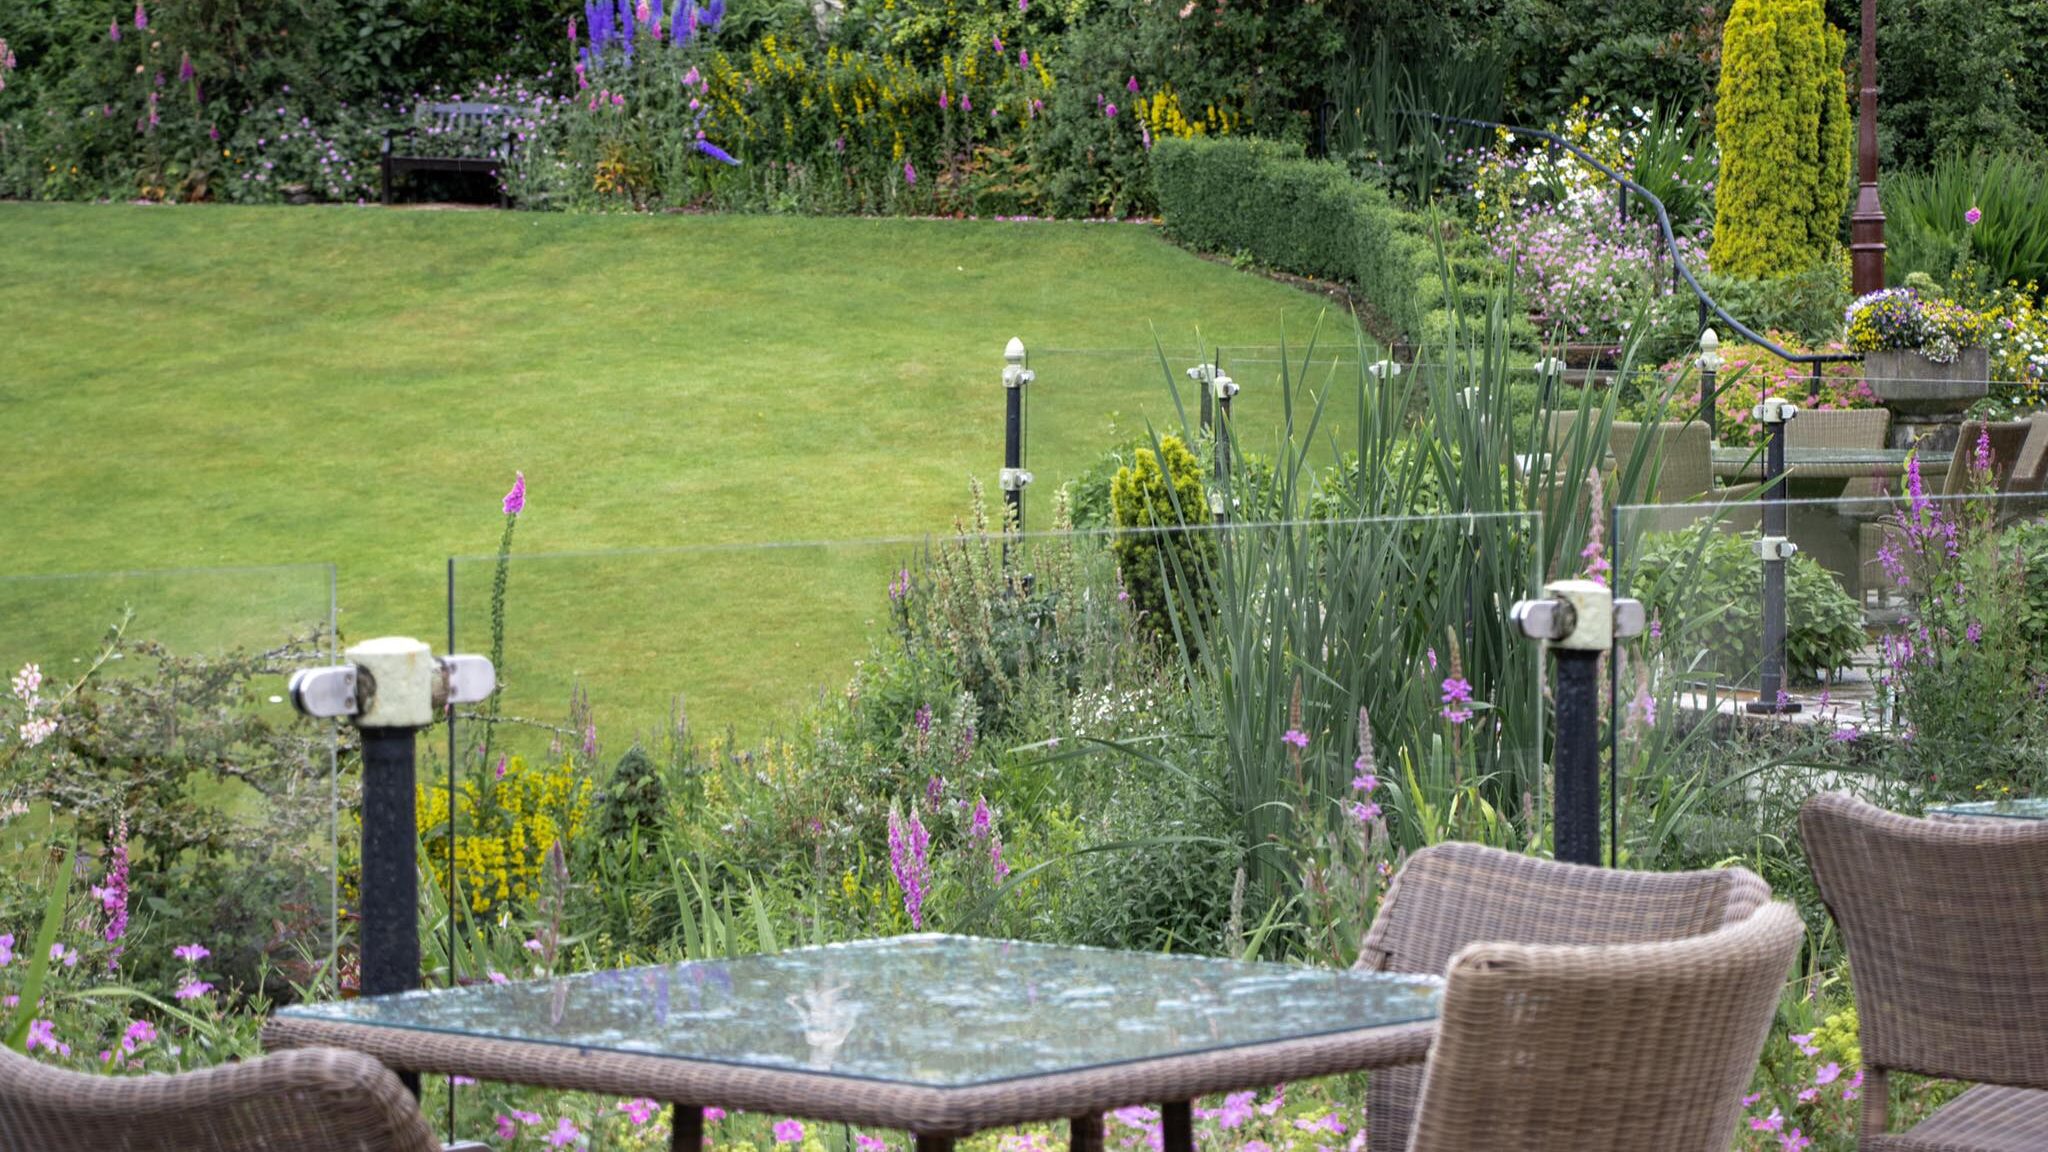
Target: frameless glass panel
pixel 935 1011
pixel 1185 703
pixel 148 731
pixel 1912 669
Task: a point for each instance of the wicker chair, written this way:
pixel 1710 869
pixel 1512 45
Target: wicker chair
pixel 1450 895
pixel 1621 1048
pixel 309 1100
pixel 1830 428
pixel 2006 437
pixel 1947 928
pixel 1683 454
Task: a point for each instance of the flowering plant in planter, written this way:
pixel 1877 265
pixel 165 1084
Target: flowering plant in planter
pixel 1902 320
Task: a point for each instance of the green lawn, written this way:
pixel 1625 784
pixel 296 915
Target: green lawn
pixel 199 387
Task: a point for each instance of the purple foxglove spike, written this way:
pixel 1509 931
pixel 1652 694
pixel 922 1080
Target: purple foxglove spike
pixel 713 13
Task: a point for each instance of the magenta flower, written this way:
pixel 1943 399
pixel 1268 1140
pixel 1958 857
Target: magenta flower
pixel 978 824
pixel 1109 110
pixel 1132 86
pixel 141 17
pixel 572 29
pixel 1294 736
pixel 1023 58
pixel 1973 216
pixel 565 1134
pixel 966 105
pixel 139 1033
pixel 1827 1073
pixel 909 174
pixel 43 1034
pixel 508 1128
pixel 515 500
pixel 1457 693
pixel 191 953
pixel 789 1132
pixel 114 31
pixel 184 67
pixel 1365 812
pixel 639 1109
pixel 6 950
pixel 192 990
pixel 908 844
pixel 998 42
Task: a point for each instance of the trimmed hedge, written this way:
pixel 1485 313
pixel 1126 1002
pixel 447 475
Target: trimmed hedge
pixel 1313 218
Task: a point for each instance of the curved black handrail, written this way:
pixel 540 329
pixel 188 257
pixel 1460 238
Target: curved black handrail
pixel 1670 240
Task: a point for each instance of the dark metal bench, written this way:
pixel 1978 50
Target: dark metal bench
pixel 472 126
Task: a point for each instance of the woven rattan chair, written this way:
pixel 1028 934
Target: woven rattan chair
pixel 1683 454
pixel 1450 895
pixel 1831 428
pixel 309 1100
pixel 1621 1048
pixel 2006 436
pixel 1947 928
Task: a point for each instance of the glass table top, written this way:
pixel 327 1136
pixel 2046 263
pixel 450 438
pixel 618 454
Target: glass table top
pixel 2022 808
pixel 931 1010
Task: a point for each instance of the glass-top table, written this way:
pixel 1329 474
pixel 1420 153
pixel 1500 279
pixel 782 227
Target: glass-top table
pixel 2018 808
pixel 941 1035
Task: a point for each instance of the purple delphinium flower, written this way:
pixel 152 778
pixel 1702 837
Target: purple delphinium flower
pixel 908 843
pixel 1294 736
pixel 713 13
pixel 1457 692
pixel 515 500
pixel 716 153
pixel 1973 215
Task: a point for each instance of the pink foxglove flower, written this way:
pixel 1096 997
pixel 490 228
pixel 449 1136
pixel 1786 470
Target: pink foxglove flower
pixel 515 500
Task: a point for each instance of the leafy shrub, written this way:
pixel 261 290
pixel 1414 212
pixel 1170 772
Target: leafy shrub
pixel 1313 219
pixel 633 805
pixel 1164 566
pixel 1709 581
pixel 1782 123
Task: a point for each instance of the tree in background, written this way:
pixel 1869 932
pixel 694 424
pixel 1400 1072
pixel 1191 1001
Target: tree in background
pixel 1783 129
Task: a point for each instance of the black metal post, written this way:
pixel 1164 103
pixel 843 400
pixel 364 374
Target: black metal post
pixel 1771 697
pixel 1208 399
pixel 388 933
pixel 1013 450
pixel 1576 833
pixel 1222 456
pixel 686 1129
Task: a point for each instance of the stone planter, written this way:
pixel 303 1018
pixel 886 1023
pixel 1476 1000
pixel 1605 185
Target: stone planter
pixel 1927 399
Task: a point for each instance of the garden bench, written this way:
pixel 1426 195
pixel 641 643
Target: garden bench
pixel 473 129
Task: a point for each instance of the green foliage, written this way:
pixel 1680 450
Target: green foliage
pixel 1706 581
pixel 1313 219
pixel 1164 555
pixel 1782 124
pixel 1926 229
pixel 1959 77
pixel 633 806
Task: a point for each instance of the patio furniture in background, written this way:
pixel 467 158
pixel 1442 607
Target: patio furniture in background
pixel 1860 429
pixel 2017 808
pixel 1448 896
pixel 1683 452
pixel 312 1100
pixel 1616 1048
pixel 2019 471
pixel 482 133
pixel 2006 439
pixel 943 1036
pixel 1947 927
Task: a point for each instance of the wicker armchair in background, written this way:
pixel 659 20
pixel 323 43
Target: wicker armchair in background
pixel 310 1100
pixel 1450 895
pixel 1947 928
pixel 1682 452
pixel 1621 1048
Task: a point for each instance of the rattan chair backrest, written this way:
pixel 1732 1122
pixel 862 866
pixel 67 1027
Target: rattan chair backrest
pixel 1614 1048
pixel 308 1100
pixel 1947 927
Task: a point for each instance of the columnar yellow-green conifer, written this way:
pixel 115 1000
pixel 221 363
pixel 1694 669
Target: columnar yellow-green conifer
pixel 1782 123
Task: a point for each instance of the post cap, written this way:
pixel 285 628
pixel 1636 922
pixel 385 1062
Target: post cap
pixel 1014 350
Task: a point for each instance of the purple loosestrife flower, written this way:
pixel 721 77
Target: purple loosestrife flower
pixel 978 824
pixel 908 844
pixel 899 586
pixel 1294 736
pixel 1457 692
pixel 1973 216
pixel 995 859
pixel 716 153
pixel 934 789
pixel 185 67
pixel 1023 58
pixel 6 950
pixel 1981 460
pixel 113 895
pixel 1364 811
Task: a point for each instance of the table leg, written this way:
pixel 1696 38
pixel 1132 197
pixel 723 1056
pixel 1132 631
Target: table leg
pixel 1177 1124
pixel 934 1143
pixel 687 1129
pixel 1084 1133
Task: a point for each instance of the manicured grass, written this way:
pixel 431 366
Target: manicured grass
pixel 248 386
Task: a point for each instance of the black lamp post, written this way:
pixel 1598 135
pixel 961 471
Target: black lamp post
pixel 1866 224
